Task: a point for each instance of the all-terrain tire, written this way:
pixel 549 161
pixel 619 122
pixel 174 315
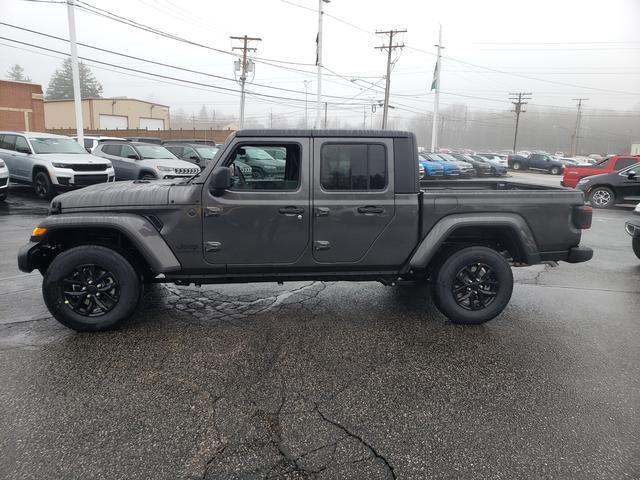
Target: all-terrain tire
pixel 473 285
pixel 62 288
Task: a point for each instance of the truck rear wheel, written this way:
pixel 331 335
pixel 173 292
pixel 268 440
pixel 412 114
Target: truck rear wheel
pixel 91 288
pixel 473 285
pixel 517 166
pixel 556 171
pixel 635 243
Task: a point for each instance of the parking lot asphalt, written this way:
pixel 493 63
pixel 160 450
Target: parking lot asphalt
pixel 327 380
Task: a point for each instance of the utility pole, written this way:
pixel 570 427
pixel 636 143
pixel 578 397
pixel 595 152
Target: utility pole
pixel 244 68
pixel 364 118
pixel 576 133
pixel 325 114
pixel 306 115
pixel 435 85
pixel 389 48
pixel 75 71
pixel 518 99
pixel 319 62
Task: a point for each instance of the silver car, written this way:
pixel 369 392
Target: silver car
pixel 51 163
pixel 144 161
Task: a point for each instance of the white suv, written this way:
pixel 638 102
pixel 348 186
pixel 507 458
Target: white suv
pixel 4 181
pixel 51 162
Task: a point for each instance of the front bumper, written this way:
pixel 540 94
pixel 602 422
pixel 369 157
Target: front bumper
pixel 26 255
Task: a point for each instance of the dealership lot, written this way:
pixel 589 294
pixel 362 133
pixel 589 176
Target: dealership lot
pixel 328 380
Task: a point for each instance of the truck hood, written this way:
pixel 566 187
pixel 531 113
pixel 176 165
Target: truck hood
pixel 165 162
pixel 115 194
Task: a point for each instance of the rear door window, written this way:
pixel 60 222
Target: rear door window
pixel 111 149
pixel 8 142
pixel 353 167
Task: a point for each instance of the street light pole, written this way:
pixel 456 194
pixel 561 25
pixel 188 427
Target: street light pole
pixel 75 71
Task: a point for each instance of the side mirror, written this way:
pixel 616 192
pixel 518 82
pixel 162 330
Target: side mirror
pixel 632 175
pixel 220 181
pixel 194 158
pixel 133 157
pixel 242 152
pixel 23 149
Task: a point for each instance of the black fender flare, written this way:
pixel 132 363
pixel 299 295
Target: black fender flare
pixel 142 234
pixel 430 244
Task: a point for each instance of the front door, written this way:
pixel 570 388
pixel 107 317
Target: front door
pixel 261 222
pixel 353 197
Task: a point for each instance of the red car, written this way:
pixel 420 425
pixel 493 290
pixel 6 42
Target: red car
pixel 608 165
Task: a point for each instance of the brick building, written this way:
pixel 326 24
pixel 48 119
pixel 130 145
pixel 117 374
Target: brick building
pixel 21 106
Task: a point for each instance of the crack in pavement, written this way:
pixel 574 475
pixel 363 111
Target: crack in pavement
pixel 361 440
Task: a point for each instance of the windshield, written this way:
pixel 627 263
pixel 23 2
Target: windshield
pixel 154 151
pixel 207 152
pixel 56 145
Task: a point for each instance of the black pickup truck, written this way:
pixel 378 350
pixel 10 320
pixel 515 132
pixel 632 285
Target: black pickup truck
pixel 342 205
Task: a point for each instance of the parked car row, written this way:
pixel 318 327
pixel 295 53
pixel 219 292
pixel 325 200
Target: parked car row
pixel 56 163
pixel 456 165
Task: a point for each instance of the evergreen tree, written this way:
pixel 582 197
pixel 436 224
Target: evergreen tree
pixel 17 73
pixel 61 83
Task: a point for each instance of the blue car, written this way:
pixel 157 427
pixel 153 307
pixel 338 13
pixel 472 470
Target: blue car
pixel 450 170
pixel 429 170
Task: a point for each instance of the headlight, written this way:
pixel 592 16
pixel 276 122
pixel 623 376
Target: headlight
pixel 61 165
pixel 1 164
pixel 165 169
pixel 582 181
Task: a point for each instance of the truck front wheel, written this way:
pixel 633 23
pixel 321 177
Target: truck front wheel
pixel 473 285
pixel 91 288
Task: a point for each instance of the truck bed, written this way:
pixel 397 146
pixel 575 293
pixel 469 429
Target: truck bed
pixel 546 210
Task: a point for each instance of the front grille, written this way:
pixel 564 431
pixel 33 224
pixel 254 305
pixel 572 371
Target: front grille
pixel 84 180
pixel 3 182
pixel 187 171
pixel 90 167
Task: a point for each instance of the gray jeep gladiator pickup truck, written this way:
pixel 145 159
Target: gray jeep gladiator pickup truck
pixel 336 205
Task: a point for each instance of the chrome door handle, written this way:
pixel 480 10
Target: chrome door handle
pixel 322 211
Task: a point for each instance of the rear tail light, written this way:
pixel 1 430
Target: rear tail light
pixel 582 216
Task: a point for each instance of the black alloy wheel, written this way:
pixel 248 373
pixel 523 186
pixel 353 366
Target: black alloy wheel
pixel 91 290
pixel 475 286
pixel 472 285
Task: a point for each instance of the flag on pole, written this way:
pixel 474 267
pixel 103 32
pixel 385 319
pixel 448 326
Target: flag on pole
pixel 434 82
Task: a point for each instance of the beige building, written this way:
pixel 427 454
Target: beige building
pixel 115 113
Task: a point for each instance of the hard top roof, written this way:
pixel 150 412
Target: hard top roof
pixel 322 133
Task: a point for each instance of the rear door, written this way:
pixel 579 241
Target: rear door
pixel 353 197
